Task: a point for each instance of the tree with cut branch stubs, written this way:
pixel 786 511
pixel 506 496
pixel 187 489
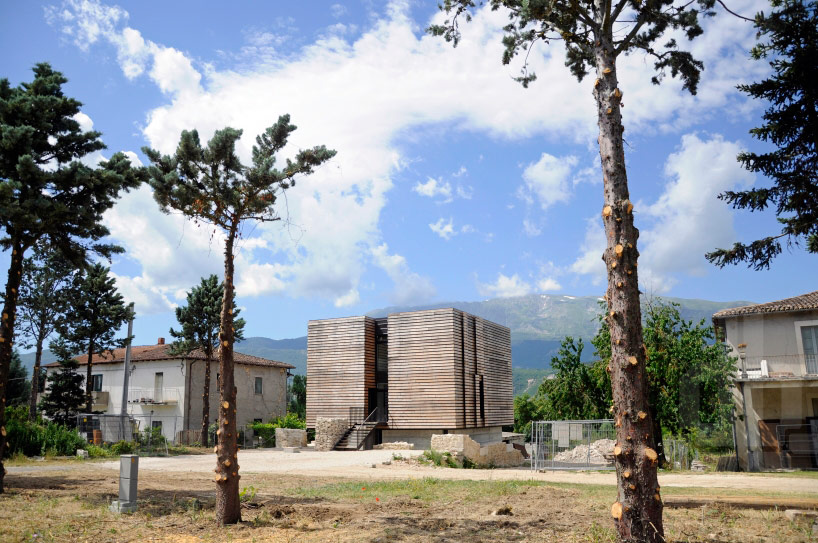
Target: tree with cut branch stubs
pixel 210 184
pixel 201 320
pixel 594 34
pixel 46 193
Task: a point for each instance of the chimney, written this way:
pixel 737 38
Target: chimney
pixel 160 341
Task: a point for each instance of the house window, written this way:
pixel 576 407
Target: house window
pixel 809 339
pixel 258 385
pixel 96 382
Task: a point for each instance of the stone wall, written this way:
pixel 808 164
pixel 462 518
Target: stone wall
pixel 395 446
pixel 291 437
pixel 462 446
pixel 328 431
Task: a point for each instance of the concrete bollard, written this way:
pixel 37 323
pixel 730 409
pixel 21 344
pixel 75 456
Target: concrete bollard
pixel 128 476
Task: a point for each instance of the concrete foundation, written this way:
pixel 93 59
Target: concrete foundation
pixel 422 439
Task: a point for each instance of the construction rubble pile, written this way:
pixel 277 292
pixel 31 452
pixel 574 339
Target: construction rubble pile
pixel 601 453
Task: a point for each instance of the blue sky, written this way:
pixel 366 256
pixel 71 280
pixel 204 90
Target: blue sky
pixel 451 181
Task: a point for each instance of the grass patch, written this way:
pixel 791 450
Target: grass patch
pixel 428 489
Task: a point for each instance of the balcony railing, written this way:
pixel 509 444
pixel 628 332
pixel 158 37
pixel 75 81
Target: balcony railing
pixel 154 396
pixel 778 367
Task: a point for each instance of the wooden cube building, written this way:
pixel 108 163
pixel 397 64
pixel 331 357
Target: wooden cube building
pixel 413 374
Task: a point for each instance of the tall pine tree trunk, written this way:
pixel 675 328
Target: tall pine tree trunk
pixel 88 381
pixel 637 512
pixel 227 466
pixel 6 337
pixel 206 400
pixel 35 378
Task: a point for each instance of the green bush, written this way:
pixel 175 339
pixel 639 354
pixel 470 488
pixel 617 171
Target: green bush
pixel 95 451
pixel 123 447
pixel 152 437
pixel 39 437
pixel 267 430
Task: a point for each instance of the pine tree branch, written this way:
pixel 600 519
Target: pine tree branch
pixel 733 13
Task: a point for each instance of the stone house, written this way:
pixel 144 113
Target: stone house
pixel 166 391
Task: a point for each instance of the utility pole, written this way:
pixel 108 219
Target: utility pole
pixel 123 408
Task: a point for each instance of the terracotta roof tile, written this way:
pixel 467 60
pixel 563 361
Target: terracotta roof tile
pixel 805 302
pixel 144 353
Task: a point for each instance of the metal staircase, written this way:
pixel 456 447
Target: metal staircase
pixel 358 431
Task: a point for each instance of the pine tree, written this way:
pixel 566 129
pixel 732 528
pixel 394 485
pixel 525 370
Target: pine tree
pixel 595 33
pixel 64 395
pixel 791 125
pixel 42 302
pixel 210 184
pixel 46 192
pixel 200 321
pixel 298 396
pixel 19 385
pixel 95 311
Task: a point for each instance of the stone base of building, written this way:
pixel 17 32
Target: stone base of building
pixel 422 439
pixel 491 455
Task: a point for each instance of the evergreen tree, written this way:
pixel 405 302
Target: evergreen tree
pixel 791 125
pixel 46 192
pixel 200 321
pixel 298 396
pixel 19 385
pixel 64 394
pixel 595 33
pixel 210 184
pixel 45 275
pixel 95 311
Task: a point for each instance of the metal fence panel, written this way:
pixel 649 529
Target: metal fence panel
pixel 572 444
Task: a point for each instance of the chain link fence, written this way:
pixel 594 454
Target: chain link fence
pixel 572 444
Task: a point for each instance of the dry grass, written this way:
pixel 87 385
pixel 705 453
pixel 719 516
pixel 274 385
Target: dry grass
pixel 69 506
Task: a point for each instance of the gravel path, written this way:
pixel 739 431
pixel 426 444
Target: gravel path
pixel 359 464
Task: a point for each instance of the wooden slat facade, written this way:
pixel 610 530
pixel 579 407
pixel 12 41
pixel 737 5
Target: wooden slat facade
pixel 340 366
pixel 446 369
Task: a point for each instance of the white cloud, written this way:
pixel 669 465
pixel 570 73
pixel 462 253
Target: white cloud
pixel 85 122
pixel 410 287
pixel 504 287
pixel 685 222
pixel 433 188
pixel 338 10
pixel 688 219
pixel 147 298
pixel 531 229
pixel 443 228
pixel 88 21
pixel 548 284
pixel 406 79
pixel 548 180
pixel 590 260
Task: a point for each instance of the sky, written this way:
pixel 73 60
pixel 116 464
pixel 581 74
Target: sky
pixel 451 182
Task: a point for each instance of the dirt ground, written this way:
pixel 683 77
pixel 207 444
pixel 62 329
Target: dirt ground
pixel 399 502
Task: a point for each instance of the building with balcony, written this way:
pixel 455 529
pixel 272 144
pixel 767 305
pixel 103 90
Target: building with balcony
pixel 410 375
pixel 776 389
pixel 165 391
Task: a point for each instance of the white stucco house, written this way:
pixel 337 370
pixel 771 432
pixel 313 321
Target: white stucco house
pixel 776 392
pixel 166 391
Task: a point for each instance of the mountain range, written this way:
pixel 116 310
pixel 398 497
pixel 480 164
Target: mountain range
pixel 538 323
